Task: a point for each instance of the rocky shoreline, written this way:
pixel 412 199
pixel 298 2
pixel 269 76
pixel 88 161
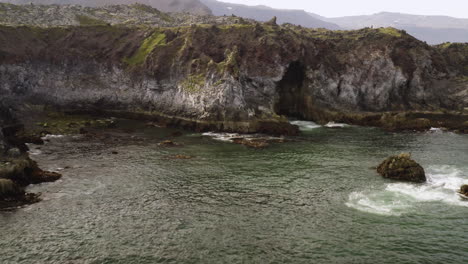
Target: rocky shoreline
pixel 230 75
pixel 17 170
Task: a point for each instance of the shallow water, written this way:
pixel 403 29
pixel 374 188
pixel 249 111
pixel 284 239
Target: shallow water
pixel 314 199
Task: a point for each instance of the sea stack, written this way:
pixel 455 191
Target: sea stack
pixel 402 168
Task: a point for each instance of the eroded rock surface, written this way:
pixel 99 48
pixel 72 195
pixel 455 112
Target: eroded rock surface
pixel 402 168
pixel 244 77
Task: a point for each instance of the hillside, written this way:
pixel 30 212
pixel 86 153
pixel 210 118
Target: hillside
pixel 135 14
pixel 191 6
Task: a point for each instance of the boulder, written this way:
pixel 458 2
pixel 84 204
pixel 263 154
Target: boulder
pixel 9 189
pixel 464 190
pixel 402 168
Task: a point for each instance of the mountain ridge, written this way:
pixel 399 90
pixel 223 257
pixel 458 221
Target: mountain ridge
pixel 191 6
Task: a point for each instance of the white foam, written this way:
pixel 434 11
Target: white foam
pixel 229 137
pixel 305 125
pixel 34 152
pixel 226 137
pixel 335 125
pixel 442 185
pixel 52 136
pixel 377 203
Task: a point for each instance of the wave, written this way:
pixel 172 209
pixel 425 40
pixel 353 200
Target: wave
pixel 305 125
pixel 336 125
pixel 230 137
pixel 398 198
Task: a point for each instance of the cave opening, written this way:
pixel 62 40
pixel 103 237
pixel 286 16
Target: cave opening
pixel 291 97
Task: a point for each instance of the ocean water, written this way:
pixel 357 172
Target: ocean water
pixel 314 199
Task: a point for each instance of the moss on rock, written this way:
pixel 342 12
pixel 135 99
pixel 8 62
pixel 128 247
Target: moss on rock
pixel 402 168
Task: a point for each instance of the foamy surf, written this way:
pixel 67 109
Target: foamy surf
pixel 50 136
pixel 230 137
pixel 398 198
pixel 336 125
pixel 305 125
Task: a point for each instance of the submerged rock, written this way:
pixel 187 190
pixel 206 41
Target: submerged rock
pixel 402 168
pixel 252 143
pixel 9 189
pixel 168 143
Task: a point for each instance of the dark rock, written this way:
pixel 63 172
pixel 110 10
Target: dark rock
pixel 278 128
pixel 12 195
pixel 40 176
pixel 464 190
pixel 84 131
pixel 25 171
pixel 14 153
pixel 402 168
pixel 33 139
pixel 176 134
pixel 272 22
pixel 168 143
pixel 9 189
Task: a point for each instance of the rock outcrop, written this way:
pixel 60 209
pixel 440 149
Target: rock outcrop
pixel 17 170
pixel 237 78
pixel 402 168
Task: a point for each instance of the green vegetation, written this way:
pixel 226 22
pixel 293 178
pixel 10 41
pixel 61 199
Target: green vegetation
pixel 151 10
pixel 230 64
pixel 391 31
pixel 89 21
pixel 148 45
pixel 193 83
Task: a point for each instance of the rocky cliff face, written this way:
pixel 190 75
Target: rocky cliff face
pixel 128 15
pixel 190 6
pixel 242 78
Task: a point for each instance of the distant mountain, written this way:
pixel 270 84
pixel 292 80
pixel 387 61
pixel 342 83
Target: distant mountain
pixel 191 6
pixel 387 19
pixel 432 29
pixel 264 13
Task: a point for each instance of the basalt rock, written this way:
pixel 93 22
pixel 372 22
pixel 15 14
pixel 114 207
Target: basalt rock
pixel 464 190
pixel 236 78
pixel 402 168
pixel 25 171
pixel 12 195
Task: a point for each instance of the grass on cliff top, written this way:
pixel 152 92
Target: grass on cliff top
pixel 391 31
pixel 151 10
pixel 148 45
pixel 89 21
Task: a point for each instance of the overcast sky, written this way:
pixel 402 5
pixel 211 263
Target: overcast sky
pixel 334 8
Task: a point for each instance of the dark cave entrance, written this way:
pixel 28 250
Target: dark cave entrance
pixel 291 97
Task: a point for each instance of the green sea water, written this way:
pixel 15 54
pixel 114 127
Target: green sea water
pixel 313 199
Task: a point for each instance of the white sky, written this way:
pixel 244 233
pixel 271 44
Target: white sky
pixel 335 8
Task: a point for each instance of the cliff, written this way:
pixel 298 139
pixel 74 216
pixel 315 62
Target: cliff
pixel 243 77
pixel 190 6
pixel 128 15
